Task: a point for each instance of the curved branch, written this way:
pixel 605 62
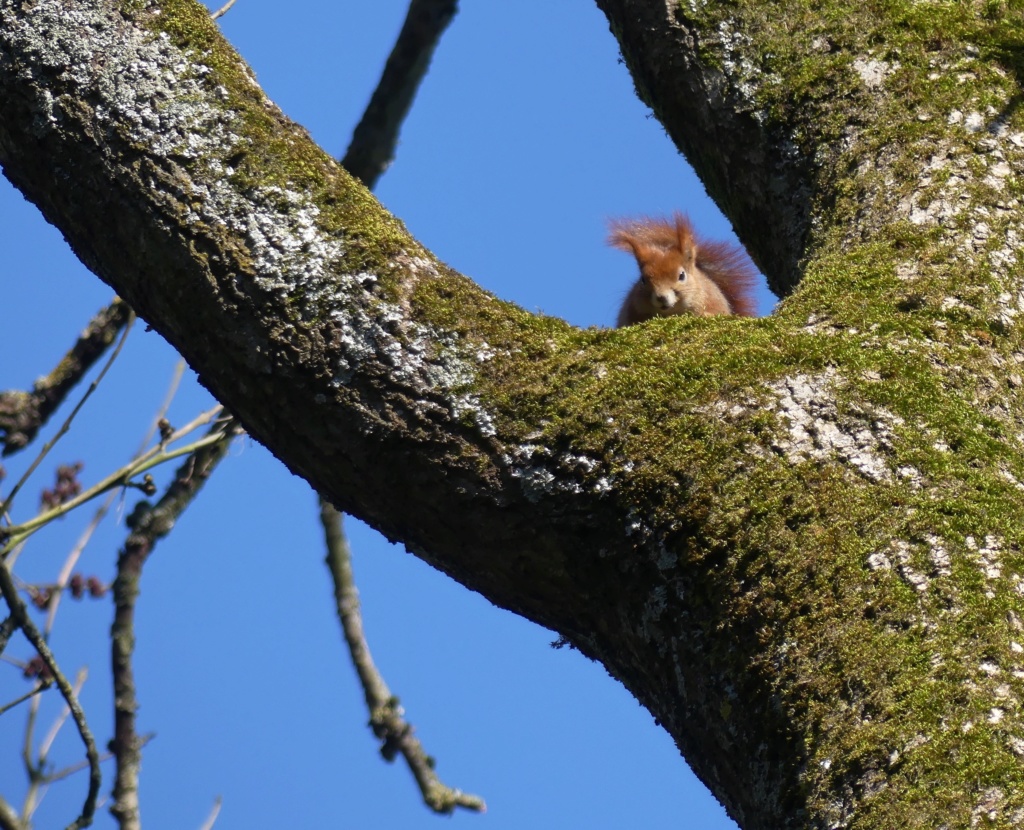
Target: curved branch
pixel 369 154
pixel 22 414
pixel 19 612
pixel 388 344
pixel 5 505
pixel 386 715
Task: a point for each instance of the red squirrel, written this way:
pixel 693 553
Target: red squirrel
pixel 681 273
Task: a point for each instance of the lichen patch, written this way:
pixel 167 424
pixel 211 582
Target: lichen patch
pixel 815 429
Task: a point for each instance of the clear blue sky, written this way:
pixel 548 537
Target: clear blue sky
pixel 526 137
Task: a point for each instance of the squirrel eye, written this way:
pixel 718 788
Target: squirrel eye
pixel 682 275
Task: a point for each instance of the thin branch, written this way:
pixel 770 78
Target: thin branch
pixel 373 143
pixel 223 10
pixel 22 414
pixel 27 760
pixel 51 736
pixel 16 534
pixel 39 780
pixel 6 504
pixel 386 720
pixel 370 152
pixel 76 552
pixel 70 770
pixel 215 810
pixel 19 612
pixel 35 768
pixel 7 628
pixel 39 688
pixel 148 523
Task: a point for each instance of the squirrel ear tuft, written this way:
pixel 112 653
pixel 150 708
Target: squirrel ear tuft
pixel 685 237
pixel 623 236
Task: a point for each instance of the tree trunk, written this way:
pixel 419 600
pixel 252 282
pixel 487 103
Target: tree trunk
pixel 796 540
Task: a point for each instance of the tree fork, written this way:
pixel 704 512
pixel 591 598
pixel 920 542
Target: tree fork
pixel 796 540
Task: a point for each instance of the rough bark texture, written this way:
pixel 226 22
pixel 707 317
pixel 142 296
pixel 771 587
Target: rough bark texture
pixel 796 540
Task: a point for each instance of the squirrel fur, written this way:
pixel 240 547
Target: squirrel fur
pixel 681 273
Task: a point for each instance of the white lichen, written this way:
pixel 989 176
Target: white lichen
pixel 148 92
pixel 874 72
pixel 815 429
pixel 542 473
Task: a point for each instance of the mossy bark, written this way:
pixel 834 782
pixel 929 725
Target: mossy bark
pixel 797 540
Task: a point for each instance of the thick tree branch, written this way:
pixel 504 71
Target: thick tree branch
pixel 695 89
pixel 795 540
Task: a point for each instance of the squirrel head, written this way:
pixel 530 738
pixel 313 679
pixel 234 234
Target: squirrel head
pixel 667 256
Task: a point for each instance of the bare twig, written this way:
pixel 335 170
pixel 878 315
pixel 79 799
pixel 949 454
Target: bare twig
pixel 6 504
pixel 386 720
pixel 51 736
pixel 71 769
pixel 36 766
pixel 148 524
pixel 223 10
pixel 215 810
pixel 7 628
pixel 16 534
pixel 22 414
pixel 39 780
pixel 373 143
pixel 39 688
pixel 19 612
pixel 76 552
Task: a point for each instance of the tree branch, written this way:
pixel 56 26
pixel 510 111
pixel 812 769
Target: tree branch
pixel 24 622
pixel 22 414
pixel 148 524
pixel 223 10
pixel 386 715
pixel 211 819
pixel 161 454
pixel 369 154
pixel 7 628
pixel 796 539
pixel 5 505
pixel 372 148
pixel 9 819
pixel 27 696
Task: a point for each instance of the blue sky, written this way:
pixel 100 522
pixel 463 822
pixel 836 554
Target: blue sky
pixel 526 137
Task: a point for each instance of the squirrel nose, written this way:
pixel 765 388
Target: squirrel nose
pixel 666 300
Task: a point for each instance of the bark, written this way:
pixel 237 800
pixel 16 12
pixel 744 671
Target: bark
pixel 796 540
